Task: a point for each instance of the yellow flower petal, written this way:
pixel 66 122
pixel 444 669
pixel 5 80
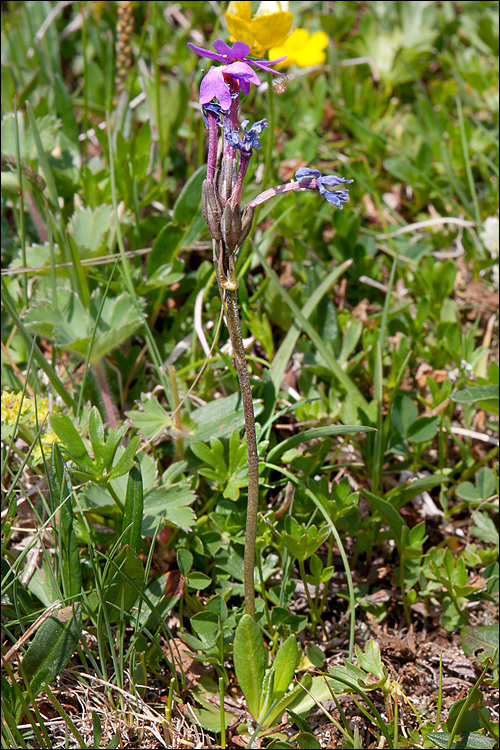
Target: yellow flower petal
pixel 270 30
pixel 240 8
pixel 240 30
pixel 313 52
pixel 301 49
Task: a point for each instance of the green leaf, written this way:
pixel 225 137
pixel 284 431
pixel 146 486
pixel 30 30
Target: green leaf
pixel 390 515
pixel 96 435
pixel 126 460
pixel 299 722
pixel 169 504
pixel 249 661
pixel 481 642
pixel 220 417
pixel 210 718
pixel 285 663
pixel 476 393
pixel 403 493
pixel 197 580
pixel 184 561
pixel 186 207
pixel 313 434
pixel 307 741
pixel 72 325
pixel 119 591
pixel 474 718
pixel 371 661
pixel 69 437
pixel 205 625
pixel 165 247
pixel 133 514
pixel 52 647
pixel 423 429
pixel 89 226
pixel 468 741
pixel 485 529
pixel 404 413
pixel 153 418
pixel 70 552
pixel 64 107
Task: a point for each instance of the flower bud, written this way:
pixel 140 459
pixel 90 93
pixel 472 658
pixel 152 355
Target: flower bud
pixel 246 223
pixel 231 227
pixel 211 209
pixel 226 180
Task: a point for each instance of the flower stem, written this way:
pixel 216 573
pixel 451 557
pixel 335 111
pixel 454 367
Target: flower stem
pixel 234 326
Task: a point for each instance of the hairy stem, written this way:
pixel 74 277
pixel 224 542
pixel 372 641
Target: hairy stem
pixel 234 326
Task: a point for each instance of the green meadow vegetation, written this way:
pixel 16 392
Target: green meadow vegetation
pixel 370 333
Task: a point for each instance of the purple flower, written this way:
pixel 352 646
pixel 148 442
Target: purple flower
pixel 250 139
pixel 317 182
pixel 217 82
pixel 237 53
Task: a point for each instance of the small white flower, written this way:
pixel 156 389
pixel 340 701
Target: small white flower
pixel 489 235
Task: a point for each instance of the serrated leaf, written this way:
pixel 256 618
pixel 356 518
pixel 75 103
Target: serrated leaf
pixel 152 420
pixel 89 226
pixel 220 417
pixel 169 504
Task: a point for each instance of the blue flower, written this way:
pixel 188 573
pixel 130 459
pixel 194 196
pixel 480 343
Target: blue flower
pixel 216 109
pixel 250 139
pixel 315 181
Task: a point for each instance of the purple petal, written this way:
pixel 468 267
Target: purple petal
pixel 222 48
pixel 206 53
pixel 213 85
pixel 245 86
pixel 264 65
pixel 243 71
pixel 238 51
pixel 332 180
pixel 306 172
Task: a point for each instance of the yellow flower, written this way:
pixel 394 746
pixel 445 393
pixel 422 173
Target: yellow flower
pixel 269 26
pixel 301 49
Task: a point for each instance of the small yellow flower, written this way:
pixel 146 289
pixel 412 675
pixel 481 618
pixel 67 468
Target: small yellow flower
pixel 302 49
pixel 46 439
pixel 269 26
